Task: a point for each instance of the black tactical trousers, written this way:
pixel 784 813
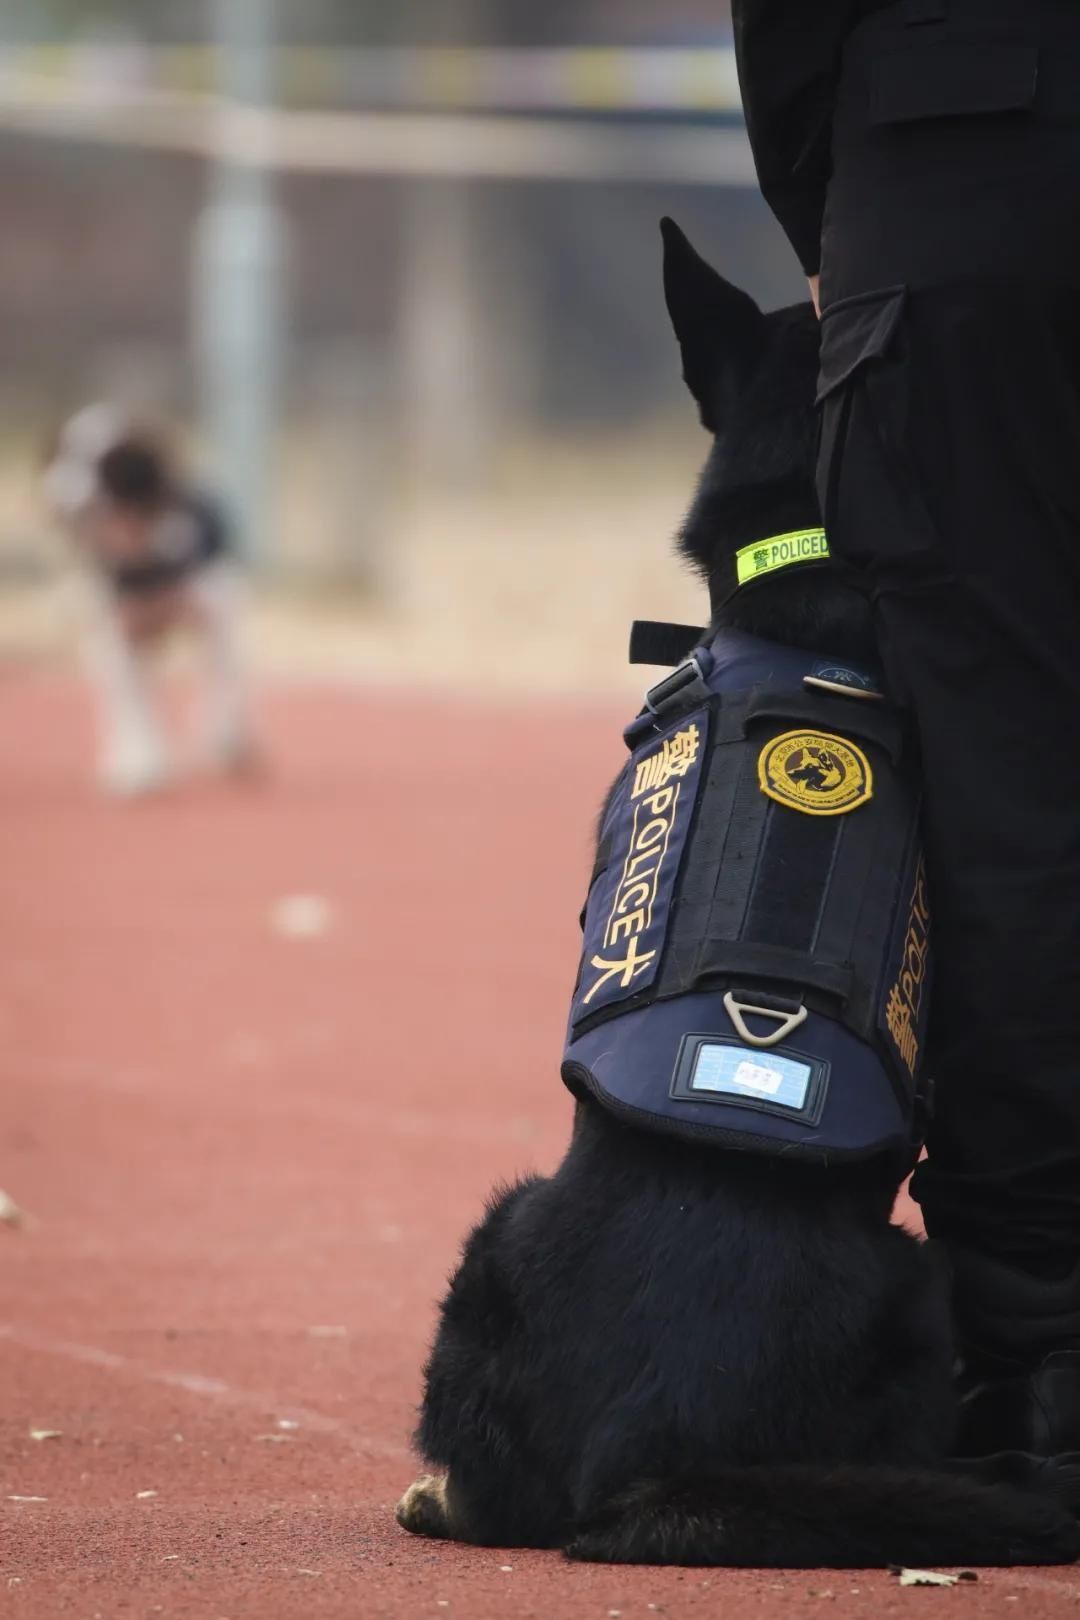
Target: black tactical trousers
pixel 950 482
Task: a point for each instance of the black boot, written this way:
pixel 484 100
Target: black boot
pixel 1035 1411
pixel 1019 1332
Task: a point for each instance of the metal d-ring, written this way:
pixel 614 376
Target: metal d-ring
pixel 788 1020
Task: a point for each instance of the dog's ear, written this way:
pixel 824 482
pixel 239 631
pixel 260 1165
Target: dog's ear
pixel 721 331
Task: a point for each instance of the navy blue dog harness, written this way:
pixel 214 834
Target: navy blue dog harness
pixel 756 961
pixel 190 535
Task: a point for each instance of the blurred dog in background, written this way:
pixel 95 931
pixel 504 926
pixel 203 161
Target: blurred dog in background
pixel 155 557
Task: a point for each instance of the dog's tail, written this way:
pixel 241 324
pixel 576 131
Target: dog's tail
pixel 842 1518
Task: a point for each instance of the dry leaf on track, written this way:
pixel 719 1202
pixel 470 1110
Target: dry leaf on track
pixel 932 1577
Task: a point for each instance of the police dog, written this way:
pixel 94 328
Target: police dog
pixel 154 557
pixel 669 1352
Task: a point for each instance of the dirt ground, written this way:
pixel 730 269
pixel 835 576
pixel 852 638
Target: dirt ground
pixel 264 1048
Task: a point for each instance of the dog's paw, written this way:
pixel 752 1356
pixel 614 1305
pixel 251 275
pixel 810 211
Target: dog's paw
pixel 236 755
pixel 423 1507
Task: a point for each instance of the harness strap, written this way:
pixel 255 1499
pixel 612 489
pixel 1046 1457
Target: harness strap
pixel 730 958
pixel 654 642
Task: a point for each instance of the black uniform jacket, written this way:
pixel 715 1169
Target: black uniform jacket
pixel 789 62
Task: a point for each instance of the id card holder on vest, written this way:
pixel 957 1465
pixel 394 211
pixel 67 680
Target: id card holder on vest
pixel 720 1068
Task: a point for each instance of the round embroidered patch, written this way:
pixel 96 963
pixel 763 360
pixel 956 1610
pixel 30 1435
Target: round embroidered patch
pixel 815 772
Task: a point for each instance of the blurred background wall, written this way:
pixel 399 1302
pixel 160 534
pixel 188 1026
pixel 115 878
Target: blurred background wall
pixel 393 270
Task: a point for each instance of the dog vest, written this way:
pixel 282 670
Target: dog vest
pixel 191 534
pixel 756 962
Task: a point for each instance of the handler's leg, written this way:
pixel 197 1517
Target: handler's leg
pixel 951 479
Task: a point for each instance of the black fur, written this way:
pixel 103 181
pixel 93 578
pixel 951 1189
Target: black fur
pixel 799 1518
pixel 666 1352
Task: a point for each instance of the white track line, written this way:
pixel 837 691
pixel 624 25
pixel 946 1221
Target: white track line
pixel 213 1389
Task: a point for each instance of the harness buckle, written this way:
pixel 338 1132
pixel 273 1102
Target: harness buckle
pixel 790 1016
pixel 684 688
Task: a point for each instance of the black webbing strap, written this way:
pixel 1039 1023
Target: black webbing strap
pixel 728 958
pixel 923 11
pixel 790 880
pixel 654 642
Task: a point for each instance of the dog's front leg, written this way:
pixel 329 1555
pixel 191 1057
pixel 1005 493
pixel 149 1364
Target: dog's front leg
pixel 132 753
pixel 214 603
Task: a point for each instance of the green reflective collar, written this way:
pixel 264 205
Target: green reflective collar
pixel 799 547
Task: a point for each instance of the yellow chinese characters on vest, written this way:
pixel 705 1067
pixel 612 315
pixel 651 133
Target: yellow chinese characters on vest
pixel 655 794
pixel 904 1004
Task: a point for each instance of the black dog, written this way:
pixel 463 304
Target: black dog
pixel 668 1352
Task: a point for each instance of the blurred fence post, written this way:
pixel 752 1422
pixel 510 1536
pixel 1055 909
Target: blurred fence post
pixel 445 334
pixel 238 275
pixel 446 330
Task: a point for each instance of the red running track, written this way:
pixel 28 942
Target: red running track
pixel 247 1161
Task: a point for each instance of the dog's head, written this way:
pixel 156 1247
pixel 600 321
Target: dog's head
pixel 753 377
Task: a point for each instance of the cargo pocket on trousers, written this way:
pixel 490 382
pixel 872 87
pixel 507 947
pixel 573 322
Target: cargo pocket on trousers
pixel 873 510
